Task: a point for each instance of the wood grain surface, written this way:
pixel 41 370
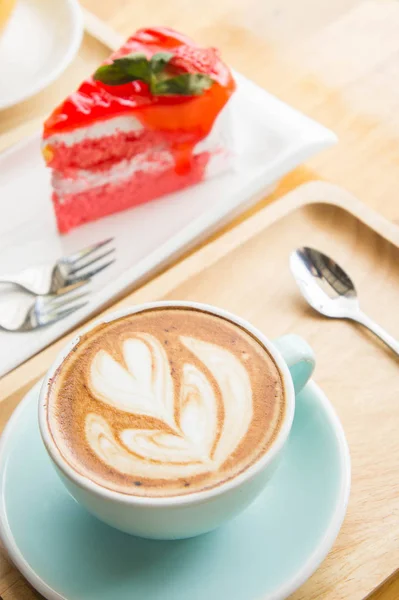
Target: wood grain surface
pixel 336 61
pixel 366 551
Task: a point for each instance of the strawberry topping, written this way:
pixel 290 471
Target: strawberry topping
pixel 195 60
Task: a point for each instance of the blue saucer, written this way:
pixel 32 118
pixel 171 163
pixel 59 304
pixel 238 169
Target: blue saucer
pixel 267 552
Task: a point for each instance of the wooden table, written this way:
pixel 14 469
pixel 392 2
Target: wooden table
pixel 336 61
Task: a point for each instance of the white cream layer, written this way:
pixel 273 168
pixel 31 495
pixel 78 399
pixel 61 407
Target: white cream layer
pixel 178 448
pixel 96 131
pixel 219 135
pixel 221 131
pixel 83 179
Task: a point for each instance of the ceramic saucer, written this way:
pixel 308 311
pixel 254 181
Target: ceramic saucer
pixel 267 552
pixel 37 44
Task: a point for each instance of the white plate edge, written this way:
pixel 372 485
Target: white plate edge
pixel 77 26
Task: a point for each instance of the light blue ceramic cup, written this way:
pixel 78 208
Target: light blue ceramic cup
pixel 189 515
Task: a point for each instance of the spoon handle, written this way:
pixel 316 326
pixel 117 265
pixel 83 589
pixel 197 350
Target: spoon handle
pixel 390 341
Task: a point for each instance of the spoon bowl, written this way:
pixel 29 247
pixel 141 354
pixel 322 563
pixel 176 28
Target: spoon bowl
pixel 323 283
pixel 330 290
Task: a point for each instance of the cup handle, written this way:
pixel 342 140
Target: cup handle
pixel 299 357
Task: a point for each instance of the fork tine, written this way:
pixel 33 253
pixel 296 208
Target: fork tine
pixel 89 274
pixel 79 267
pixel 58 314
pixel 77 256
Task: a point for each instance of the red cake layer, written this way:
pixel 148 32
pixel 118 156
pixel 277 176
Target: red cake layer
pixel 101 153
pixel 75 209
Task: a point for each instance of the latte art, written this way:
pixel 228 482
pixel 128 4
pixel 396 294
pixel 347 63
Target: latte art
pixel 165 402
pixel 191 439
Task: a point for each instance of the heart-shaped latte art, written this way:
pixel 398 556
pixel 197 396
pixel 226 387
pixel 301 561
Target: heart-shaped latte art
pixel 197 435
pixel 144 388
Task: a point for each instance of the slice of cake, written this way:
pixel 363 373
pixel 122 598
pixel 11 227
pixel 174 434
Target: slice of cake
pixel 150 121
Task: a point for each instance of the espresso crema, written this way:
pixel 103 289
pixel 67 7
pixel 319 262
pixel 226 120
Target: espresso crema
pixel 165 402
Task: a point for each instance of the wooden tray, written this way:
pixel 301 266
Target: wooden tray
pixel 246 271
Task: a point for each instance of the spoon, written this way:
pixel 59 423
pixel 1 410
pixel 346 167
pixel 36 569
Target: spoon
pixel 330 291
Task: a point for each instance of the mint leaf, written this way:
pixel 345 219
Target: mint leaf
pixel 154 73
pixel 159 61
pixel 131 67
pixel 136 65
pixel 111 75
pixel 187 84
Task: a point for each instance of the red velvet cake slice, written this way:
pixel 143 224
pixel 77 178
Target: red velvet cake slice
pixel 150 121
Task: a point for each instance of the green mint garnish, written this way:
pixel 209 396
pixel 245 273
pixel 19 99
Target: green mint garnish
pixel 189 84
pixel 159 62
pixel 155 73
pixel 123 70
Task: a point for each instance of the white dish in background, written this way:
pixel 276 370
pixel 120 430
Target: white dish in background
pixel 38 42
pixel 270 139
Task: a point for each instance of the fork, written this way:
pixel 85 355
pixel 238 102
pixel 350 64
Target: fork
pixel 67 272
pixel 28 313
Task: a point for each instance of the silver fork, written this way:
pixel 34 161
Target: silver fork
pixel 28 313
pixel 68 272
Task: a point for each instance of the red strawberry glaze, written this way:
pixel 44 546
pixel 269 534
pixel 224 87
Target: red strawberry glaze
pixel 193 116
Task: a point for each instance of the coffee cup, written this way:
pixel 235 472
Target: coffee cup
pixel 209 502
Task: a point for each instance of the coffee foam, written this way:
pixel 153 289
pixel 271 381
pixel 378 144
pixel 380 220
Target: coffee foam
pixel 165 402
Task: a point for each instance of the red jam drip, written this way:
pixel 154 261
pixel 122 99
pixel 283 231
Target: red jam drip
pixel 190 116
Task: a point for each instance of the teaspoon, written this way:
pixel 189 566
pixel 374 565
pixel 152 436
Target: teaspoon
pixel 330 291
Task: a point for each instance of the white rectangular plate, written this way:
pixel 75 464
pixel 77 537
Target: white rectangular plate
pixel 270 139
